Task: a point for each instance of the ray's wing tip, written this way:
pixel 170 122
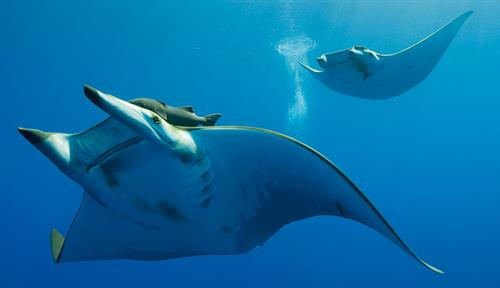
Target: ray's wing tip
pixel 34 136
pixel 429 266
pixel 462 17
pixel 459 21
pixel 467 13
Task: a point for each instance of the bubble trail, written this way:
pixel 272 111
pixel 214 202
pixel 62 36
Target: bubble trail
pixel 294 49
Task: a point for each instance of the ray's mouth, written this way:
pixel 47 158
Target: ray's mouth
pixel 114 150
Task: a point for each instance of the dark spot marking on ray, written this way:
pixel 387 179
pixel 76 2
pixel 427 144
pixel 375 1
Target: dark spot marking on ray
pixel 154 227
pixel 367 75
pixel 115 164
pixel 142 205
pixel 361 67
pixel 186 158
pixel 169 211
pixel 341 209
pixel 109 169
pixel 205 203
pixel 125 217
pixel 109 177
pixel 140 223
pixel 226 229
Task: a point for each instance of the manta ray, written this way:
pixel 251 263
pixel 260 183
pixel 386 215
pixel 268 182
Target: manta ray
pixel 153 190
pixel 364 73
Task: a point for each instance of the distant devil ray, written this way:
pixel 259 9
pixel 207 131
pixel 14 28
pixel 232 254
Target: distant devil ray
pixel 361 72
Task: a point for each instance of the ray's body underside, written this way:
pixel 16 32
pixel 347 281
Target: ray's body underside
pixel 157 191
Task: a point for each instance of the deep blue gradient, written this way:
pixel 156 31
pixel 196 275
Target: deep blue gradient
pixel 428 159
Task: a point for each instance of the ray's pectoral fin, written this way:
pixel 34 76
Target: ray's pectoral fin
pixel 367 74
pixel 84 240
pixel 97 233
pixel 357 207
pixel 291 181
pixel 425 54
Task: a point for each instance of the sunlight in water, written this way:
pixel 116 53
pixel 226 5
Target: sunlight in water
pixel 295 49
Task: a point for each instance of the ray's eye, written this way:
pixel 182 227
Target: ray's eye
pixel 155 119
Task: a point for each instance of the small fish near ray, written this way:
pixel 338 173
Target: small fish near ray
pixel 364 73
pixel 178 116
pixel 156 191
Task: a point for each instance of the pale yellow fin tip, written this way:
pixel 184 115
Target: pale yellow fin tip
pixel 56 244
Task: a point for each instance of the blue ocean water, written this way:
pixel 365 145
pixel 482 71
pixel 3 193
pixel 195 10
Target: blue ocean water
pixel 428 159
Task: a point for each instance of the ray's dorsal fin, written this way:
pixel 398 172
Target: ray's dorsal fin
pixel 188 108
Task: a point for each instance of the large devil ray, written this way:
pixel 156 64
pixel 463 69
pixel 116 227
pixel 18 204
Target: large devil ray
pixel 361 72
pixel 157 191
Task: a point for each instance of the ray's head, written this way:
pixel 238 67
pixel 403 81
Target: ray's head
pixel 363 52
pixel 356 53
pixel 143 118
pixel 331 60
